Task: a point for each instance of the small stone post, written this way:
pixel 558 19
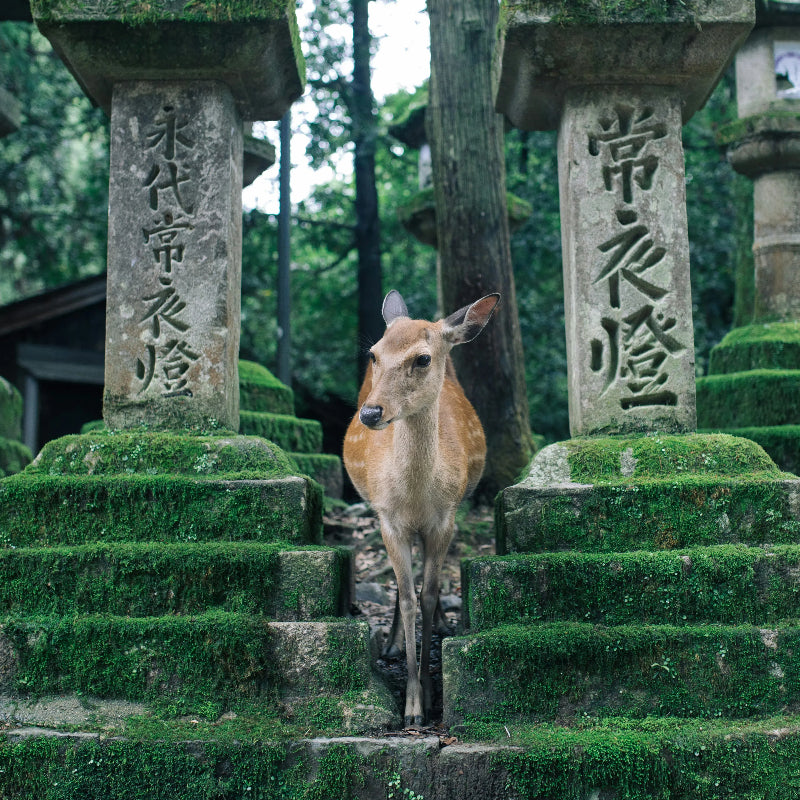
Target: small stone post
pixel 177 89
pixel 618 94
pixel 765 147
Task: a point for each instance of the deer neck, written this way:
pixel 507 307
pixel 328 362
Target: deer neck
pixel 416 445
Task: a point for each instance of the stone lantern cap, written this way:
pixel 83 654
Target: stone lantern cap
pixel 550 47
pixel 252 47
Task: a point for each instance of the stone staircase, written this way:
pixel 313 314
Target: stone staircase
pixel 151 579
pixel 267 409
pixel 667 667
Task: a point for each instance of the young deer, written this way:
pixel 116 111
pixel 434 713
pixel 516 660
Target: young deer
pixel 414 450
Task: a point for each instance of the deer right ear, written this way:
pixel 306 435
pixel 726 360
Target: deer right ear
pixel 393 307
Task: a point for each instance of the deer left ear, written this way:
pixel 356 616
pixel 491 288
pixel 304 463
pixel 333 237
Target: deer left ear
pixel 393 307
pixel 468 322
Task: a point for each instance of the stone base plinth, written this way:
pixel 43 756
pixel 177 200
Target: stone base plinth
pixel 649 493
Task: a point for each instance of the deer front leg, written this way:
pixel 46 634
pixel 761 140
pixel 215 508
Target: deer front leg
pixel 399 551
pixel 435 548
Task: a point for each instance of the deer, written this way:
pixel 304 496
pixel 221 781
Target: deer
pixel 414 450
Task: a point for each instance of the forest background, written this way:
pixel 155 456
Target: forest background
pixel 53 223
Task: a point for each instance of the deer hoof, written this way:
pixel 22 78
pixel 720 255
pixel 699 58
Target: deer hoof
pixel 414 722
pixel 393 651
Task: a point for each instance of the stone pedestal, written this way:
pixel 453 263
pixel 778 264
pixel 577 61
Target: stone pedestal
pixel 618 90
pixel 174 265
pixel 626 262
pixel 177 82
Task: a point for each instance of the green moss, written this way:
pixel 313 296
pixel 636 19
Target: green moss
pixel 288 432
pixel 722 584
pixel 216 656
pixel 774 345
pixel 49 510
pixel 657 456
pixel 541 672
pixel 607 12
pixel 780 442
pixel 141 12
pixel 758 398
pixel 649 515
pixel 774 122
pixel 14 457
pixel 155 453
pixel 146 579
pixel 260 390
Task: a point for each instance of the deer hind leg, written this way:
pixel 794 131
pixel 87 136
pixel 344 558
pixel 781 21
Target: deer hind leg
pixel 398 548
pixel 396 644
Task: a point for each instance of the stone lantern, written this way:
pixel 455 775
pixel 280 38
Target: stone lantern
pixel 754 373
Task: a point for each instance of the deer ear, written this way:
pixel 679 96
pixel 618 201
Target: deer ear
pixel 468 322
pixel 393 307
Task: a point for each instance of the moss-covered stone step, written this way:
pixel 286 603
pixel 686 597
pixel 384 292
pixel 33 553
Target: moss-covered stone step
pixel 287 431
pixel 40 509
pixel 557 671
pixel 324 468
pixel 780 442
pixel 198 760
pixel 760 397
pixel 260 390
pixel 149 579
pixel 652 492
pixel 729 584
pixel 770 345
pixel 213 657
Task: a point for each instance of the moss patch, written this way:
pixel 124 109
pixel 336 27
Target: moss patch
pixel 214 657
pixel 10 411
pixel 758 398
pixel 146 579
pixel 145 453
pixel 774 345
pixel 14 457
pixel 46 510
pixel 288 432
pixel 625 460
pixel 722 584
pixel 560 670
pixel 780 442
pixel 260 390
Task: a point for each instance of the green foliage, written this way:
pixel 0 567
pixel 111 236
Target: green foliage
pixel 53 172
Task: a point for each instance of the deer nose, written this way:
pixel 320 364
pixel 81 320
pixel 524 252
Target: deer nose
pixel 370 415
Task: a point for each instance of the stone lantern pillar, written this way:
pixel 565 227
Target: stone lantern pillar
pixel 754 373
pixel 177 83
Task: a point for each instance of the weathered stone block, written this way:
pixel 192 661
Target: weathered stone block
pixel 251 46
pixel 559 671
pixel 548 48
pixel 215 656
pixel 174 257
pixel 727 584
pixel 145 579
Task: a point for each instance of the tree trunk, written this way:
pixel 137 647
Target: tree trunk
pixel 466 137
pixel 364 126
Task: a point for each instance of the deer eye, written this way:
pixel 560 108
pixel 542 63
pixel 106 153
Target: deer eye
pixel 372 357
pixel 422 361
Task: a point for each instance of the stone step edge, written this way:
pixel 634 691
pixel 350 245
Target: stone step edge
pixel 218 656
pixel 681 762
pixel 561 671
pixel 733 584
pixel 149 579
pixel 44 510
